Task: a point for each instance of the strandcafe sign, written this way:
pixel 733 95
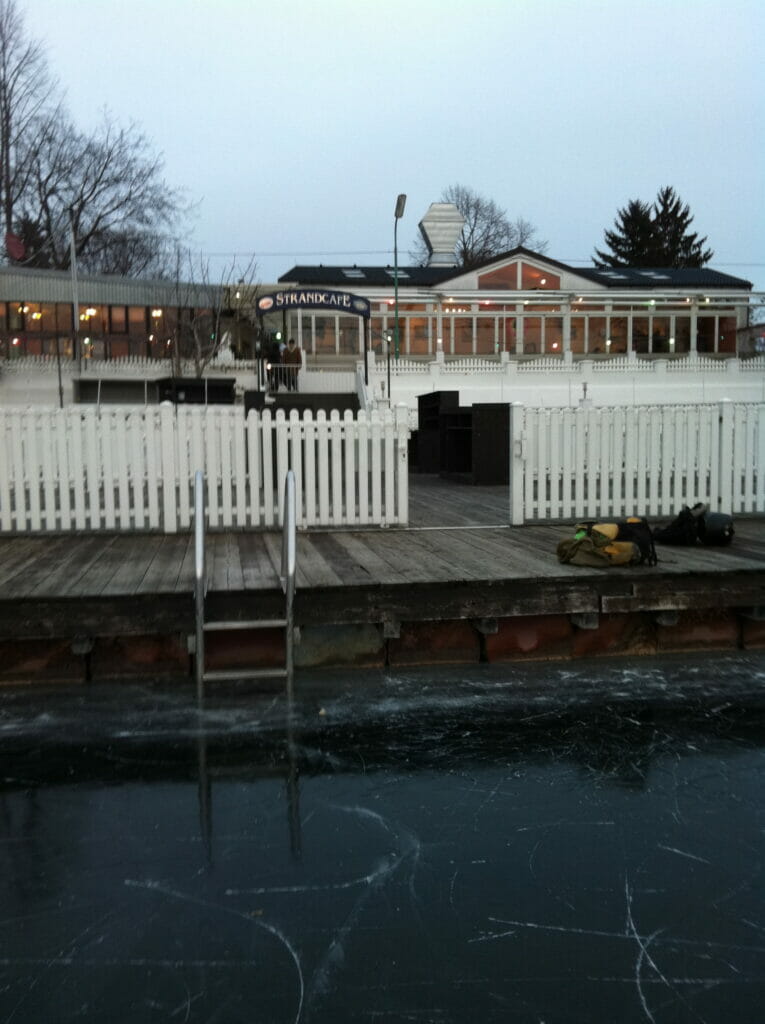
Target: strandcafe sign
pixel 312 298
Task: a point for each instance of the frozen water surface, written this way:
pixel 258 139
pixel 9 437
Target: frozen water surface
pixel 552 843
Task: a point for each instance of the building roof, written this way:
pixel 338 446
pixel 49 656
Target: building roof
pixel 350 277
pixel 20 283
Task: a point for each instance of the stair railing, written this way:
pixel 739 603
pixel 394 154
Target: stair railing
pixel 286 579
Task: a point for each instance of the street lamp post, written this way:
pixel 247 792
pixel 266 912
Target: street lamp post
pixel 399 213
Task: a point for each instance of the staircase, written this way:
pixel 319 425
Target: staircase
pixel 287 580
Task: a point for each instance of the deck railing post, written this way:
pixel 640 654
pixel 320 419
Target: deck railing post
pixel 199 581
pixel 517 458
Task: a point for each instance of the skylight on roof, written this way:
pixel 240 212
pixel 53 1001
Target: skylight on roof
pixel 353 272
pixel 392 273
pixel 614 275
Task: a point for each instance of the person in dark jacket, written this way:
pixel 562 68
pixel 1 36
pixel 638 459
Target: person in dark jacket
pixel 293 360
pixel 274 365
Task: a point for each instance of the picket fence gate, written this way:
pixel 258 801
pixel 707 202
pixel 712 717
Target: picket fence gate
pixel 118 468
pixel 648 460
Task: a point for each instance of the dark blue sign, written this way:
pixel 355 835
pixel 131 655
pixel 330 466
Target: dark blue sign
pixel 314 298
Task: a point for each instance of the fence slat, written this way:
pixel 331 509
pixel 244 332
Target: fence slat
pixel 349 468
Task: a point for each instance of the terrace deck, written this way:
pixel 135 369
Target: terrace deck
pixel 456 562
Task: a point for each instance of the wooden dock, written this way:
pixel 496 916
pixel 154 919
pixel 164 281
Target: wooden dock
pixel 457 584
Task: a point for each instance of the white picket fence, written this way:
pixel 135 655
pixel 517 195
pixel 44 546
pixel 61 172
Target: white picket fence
pixel 121 468
pixel 649 460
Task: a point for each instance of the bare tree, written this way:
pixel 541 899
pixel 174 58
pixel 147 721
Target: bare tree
pixel 206 306
pixel 487 231
pixel 25 88
pixel 109 187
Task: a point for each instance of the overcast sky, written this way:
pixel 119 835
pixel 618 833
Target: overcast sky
pixel 293 126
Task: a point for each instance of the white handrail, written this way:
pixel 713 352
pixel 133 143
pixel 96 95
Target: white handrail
pixel 199 580
pixel 289 563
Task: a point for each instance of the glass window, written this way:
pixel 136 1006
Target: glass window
pixel 502 277
pixel 682 333
pixel 119 348
pixel 596 335
pixel 726 334
pixel 325 334
pixel 349 336
pixel 118 319
pixel 33 318
pixel 554 335
pixel 618 335
pixel 15 317
pixel 640 334
pixel 137 320
pixel 418 335
pixel 537 278
pixel 463 335
pixel 532 335
pixel 485 335
pixel 64 318
pixel 660 334
pixel 3 316
pixel 508 333
pixel 577 335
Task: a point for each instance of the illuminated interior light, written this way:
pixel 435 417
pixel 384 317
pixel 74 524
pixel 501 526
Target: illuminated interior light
pixel 90 311
pixel 15 341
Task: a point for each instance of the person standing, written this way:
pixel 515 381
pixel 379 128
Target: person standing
pixel 293 360
pixel 274 365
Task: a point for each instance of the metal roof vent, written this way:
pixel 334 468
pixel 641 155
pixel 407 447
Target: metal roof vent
pixel 440 227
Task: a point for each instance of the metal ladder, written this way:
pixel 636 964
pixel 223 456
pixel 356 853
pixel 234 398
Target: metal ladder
pixel 286 578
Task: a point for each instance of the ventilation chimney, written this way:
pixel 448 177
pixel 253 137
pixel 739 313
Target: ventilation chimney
pixel 440 227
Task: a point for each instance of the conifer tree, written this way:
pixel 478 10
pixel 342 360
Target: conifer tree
pixel 654 235
pixel 631 241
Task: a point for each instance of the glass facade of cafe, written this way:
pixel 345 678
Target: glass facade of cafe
pixel 526 305
pixel 487 328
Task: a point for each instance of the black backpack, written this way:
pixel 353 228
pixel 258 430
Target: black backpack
pixel 636 529
pixel 695 524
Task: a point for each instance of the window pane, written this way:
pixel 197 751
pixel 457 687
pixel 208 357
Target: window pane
pixel 349 336
pixel 118 319
pixel 596 341
pixel 682 334
pixel 485 344
pixel 726 334
pixel 618 335
pixel 640 334
pixel 418 335
pixel 532 335
pixel 325 334
pixel 660 334
pixel 463 335
pixel 137 320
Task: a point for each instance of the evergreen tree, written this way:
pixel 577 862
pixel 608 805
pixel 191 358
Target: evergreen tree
pixel 674 245
pixel 631 242
pixel 654 235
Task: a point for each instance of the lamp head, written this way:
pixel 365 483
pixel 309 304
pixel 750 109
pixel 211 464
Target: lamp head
pixel 400 204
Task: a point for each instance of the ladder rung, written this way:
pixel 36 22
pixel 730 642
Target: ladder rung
pixel 219 675
pixel 221 624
